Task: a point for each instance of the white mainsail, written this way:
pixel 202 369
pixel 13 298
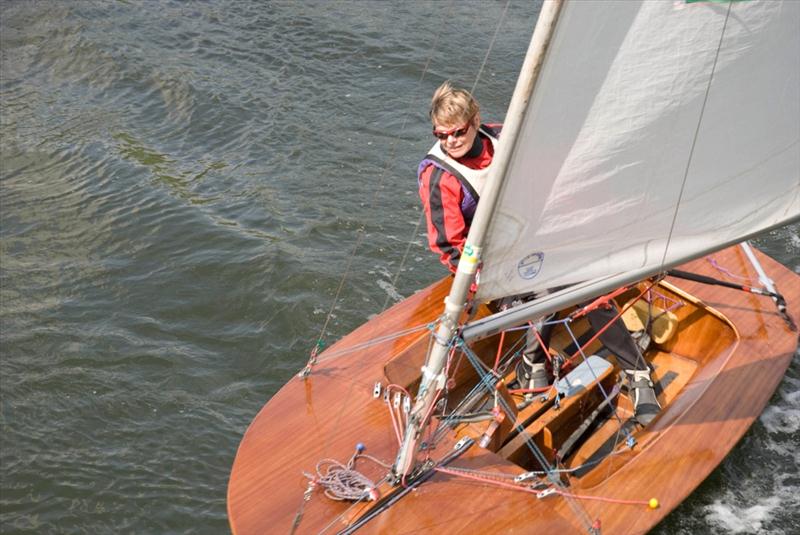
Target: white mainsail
pixel 641 134
pixel 658 131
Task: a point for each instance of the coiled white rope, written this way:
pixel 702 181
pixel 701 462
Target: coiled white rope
pixel 342 482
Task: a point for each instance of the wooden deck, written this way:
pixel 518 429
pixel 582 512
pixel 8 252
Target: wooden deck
pixel 716 375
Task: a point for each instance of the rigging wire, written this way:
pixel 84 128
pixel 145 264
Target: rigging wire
pixel 373 341
pixel 694 139
pixel 491 46
pixel 359 239
pixel 361 233
pixel 498 480
pixel 577 509
pixel 415 233
pixel 390 161
pixel 580 512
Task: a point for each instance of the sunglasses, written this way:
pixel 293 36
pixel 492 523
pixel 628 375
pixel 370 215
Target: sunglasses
pixel 455 132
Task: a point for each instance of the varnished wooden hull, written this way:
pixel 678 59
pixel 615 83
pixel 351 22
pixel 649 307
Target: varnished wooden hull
pixel 730 354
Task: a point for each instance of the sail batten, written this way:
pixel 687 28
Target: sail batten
pixel 641 151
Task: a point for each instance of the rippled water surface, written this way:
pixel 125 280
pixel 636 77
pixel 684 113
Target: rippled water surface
pixel 183 186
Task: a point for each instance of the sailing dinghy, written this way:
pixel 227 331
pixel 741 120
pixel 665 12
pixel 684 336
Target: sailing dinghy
pixel 643 142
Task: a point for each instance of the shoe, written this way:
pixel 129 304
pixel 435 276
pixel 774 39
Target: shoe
pixel 532 375
pixel 538 377
pixel 645 402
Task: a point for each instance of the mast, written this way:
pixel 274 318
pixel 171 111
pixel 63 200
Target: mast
pixel 433 378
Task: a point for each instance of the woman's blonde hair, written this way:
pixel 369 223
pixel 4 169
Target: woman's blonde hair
pixel 451 106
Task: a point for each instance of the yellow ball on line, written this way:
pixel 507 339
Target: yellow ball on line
pixel 653 503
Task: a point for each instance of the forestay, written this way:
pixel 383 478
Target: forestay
pixel 658 131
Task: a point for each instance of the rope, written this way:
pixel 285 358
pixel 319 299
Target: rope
pixel 483 478
pixel 580 352
pixel 372 342
pixel 648 503
pixel 581 311
pixel 455 417
pixel 499 351
pixel 668 304
pixel 490 387
pixel 342 482
pixel 398 422
pixel 750 280
pixel 495 480
pixel 487 380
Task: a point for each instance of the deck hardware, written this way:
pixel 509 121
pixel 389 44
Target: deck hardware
pixel 524 477
pixel 545 493
pixel 460 444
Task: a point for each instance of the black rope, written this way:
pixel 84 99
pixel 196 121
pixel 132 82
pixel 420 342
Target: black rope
pixel 780 301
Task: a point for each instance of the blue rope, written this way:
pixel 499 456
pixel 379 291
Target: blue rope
pixel 628 436
pixel 490 387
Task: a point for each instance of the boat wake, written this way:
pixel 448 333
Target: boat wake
pixel 765 497
pixel 751 519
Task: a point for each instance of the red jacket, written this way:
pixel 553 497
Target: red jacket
pixel 448 202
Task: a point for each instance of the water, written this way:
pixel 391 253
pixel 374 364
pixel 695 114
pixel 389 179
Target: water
pixel 183 187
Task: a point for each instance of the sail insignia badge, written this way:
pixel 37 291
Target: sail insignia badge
pixel 530 266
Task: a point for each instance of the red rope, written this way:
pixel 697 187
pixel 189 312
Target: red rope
pixel 600 301
pixel 484 479
pixel 602 498
pixel 449 362
pixel 396 419
pixel 394 424
pixel 528 390
pixel 595 304
pixel 499 350
pixel 541 342
pixel 532 491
